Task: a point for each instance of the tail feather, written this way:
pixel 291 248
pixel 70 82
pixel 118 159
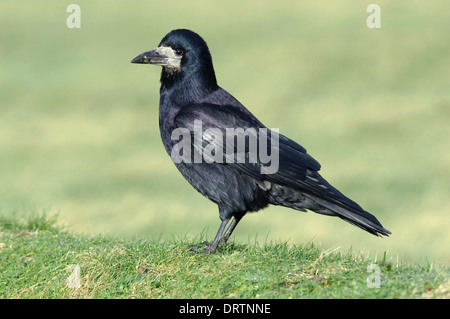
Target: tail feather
pixel 335 205
pixel 356 217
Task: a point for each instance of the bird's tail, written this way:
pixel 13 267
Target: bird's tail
pixel 333 204
pixel 354 215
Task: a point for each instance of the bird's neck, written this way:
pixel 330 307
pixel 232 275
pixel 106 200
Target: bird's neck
pixel 184 89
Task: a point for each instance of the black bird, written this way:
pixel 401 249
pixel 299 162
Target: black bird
pixel 189 92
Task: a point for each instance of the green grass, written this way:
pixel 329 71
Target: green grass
pixel 37 258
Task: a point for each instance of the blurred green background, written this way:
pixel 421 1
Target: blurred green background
pixel 79 133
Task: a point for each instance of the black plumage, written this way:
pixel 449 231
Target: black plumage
pixel 189 93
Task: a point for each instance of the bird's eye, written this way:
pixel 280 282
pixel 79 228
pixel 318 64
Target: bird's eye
pixel 179 51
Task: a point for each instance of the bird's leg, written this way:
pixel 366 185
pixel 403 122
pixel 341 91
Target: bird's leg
pixel 211 248
pixel 230 229
pixel 219 237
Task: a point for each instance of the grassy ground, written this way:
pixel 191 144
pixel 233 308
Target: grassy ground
pixel 39 260
pixel 79 125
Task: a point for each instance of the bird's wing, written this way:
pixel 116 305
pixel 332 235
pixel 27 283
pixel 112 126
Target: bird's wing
pixel 293 160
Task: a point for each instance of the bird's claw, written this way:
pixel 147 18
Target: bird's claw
pixel 203 248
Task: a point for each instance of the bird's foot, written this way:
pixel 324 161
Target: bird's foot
pixel 204 248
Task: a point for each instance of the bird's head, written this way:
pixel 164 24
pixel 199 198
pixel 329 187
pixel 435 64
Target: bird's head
pixel 182 53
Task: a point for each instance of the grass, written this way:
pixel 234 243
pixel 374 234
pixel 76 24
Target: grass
pixel 37 258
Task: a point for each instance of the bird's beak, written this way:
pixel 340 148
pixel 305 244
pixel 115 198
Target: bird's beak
pixel 163 55
pixel 151 57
